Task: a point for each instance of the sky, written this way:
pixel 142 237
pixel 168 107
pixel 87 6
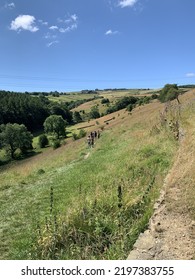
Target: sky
pixel 71 45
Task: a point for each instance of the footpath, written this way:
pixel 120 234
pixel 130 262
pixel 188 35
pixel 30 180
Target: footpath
pixel 171 231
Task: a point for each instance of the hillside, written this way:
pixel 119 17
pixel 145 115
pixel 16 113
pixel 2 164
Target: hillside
pixel 171 231
pixel 81 203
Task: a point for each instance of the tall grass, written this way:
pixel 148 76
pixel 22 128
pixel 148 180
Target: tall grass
pixel 91 208
pixel 111 208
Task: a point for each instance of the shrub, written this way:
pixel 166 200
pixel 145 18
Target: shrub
pixel 43 141
pixel 75 136
pixel 169 92
pixel 130 107
pixel 105 100
pixel 40 171
pixel 82 133
pixel 56 144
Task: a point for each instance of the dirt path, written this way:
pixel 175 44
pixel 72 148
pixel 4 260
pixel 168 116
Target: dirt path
pixel 171 231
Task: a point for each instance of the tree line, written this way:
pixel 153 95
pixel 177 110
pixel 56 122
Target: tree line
pixel 29 110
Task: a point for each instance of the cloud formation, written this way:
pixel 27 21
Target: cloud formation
pixel 10 5
pixel 127 3
pixel 53 27
pixel 110 32
pixel 52 43
pixel 63 25
pixel 24 22
pixel 43 22
pixel 69 24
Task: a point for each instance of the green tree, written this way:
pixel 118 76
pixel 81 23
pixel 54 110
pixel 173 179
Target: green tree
pixel 77 117
pixel 105 101
pixel 55 125
pixel 169 92
pixel 43 141
pixel 94 113
pixel 15 136
pixel 61 110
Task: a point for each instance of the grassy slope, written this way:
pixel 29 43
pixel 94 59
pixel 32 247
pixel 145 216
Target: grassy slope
pixel 126 154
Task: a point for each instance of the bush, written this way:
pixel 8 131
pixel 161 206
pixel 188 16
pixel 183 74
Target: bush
pixel 82 133
pixel 105 101
pixel 56 144
pixel 169 92
pixel 75 136
pixel 130 107
pixel 43 141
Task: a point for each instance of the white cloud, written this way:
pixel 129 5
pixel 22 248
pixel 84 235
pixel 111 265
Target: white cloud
pixel 127 3
pixel 52 43
pixel 65 25
pixel 53 27
pixel 190 75
pixel 74 17
pixel 10 5
pixel 24 22
pixel 43 22
pixel 110 32
pixel 49 36
pixel 68 29
pixel 69 24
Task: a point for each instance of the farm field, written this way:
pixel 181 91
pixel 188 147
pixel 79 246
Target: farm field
pixel 81 203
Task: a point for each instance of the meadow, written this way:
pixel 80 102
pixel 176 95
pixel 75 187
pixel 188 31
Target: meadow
pixel 81 203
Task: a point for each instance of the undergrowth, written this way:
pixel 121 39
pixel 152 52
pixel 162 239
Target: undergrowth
pixel 102 229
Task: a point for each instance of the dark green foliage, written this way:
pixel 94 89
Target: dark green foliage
pixel 55 125
pixel 23 109
pixel 187 86
pixel 15 136
pixel 61 110
pixel 82 133
pixel 122 103
pixel 77 117
pixel 94 113
pixel 43 141
pixel 105 101
pixel 154 96
pixel 40 171
pixel 130 107
pixel 56 144
pixel 75 136
pixel 169 92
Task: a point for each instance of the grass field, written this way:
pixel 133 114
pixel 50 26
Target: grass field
pixel 80 203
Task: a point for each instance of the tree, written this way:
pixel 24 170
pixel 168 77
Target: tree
pixel 77 117
pixel 15 136
pixel 94 113
pixel 43 141
pixel 55 125
pixel 169 92
pixel 105 101
pixel 61 110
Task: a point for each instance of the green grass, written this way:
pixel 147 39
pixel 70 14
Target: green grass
pixel 85 187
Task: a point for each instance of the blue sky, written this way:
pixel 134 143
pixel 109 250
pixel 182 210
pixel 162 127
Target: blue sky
pixel 69 45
